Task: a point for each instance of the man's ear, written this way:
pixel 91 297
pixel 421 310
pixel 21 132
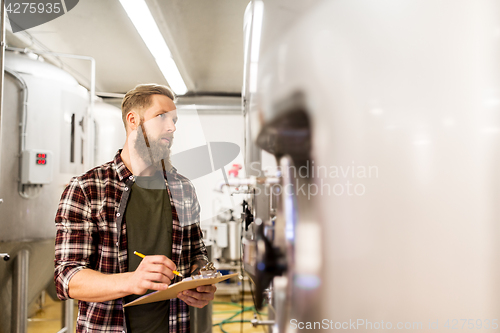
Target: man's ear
pixel 133 120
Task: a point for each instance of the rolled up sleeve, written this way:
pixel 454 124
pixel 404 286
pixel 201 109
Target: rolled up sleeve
pixel 73 245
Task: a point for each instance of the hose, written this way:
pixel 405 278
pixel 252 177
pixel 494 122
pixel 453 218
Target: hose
pixel 228 320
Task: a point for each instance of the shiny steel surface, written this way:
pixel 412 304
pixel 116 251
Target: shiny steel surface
pixel 233 251
pixel 253 159
pixel 20 292
pixel 53 97
pixel 409 89
pixel 2 65
pixel 67 318
pixel 27 223
pixel 40 274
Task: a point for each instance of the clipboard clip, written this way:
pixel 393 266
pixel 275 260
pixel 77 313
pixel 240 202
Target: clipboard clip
pixel 206 272
pixel 209 268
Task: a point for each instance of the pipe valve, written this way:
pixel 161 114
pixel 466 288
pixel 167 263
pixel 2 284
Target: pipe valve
pixel 255 322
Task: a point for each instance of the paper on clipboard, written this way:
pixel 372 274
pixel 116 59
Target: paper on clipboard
pixel 176 288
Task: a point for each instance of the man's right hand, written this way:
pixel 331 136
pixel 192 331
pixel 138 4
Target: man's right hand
pixel 154 272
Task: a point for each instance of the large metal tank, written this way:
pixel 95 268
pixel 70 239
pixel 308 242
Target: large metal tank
pixel 392 108
pixel 50 121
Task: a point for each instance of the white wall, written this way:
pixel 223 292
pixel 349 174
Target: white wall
pixel 196 129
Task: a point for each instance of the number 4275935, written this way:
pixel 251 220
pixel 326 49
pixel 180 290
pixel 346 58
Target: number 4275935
pixel 471 324
pixel 32 8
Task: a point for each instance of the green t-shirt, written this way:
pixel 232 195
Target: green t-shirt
pixel 149 231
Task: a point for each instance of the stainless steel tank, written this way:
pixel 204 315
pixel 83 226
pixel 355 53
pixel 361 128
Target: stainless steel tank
pixel 393 108
pixel 44 110
pixel 233 251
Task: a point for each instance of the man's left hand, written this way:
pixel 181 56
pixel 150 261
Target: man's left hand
pixel 198 297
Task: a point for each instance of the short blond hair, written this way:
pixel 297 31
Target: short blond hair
pixel 139 98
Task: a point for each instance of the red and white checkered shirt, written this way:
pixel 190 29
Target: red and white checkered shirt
pixel 90 213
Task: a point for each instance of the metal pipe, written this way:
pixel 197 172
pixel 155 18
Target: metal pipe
pixel 22 124
pixel 68 308
pixel 25 107
pixel 20 293
pixel 90 161
pixel 5 256
pixel 255 322
pixel 250 181
pixel 24 92
pixel 235 182
pixel 2 63
pixel 90 110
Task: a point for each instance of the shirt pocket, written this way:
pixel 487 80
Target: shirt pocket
pixel 106 218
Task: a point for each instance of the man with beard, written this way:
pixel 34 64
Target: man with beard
pixel 137 202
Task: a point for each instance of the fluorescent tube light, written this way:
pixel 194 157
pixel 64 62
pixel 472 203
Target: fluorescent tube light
pixel 140 15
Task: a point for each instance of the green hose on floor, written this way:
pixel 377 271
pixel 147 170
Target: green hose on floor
pixel 236 313
pixel 228 320
pixel 227 303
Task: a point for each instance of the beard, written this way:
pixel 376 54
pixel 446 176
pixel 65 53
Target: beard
pixel 157 151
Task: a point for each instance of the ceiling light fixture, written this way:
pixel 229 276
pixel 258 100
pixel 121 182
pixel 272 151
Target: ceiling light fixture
pixel 140 15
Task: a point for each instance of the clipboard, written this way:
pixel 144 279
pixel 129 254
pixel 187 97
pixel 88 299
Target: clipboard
pixel 176 288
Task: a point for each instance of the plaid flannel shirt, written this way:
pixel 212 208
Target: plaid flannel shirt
pixel 91 212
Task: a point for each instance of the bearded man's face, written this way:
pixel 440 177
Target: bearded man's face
pixel 159 144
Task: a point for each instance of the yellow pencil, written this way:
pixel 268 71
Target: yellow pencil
pixel 143 256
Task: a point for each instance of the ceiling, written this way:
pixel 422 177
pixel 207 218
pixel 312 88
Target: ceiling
pixel 204 36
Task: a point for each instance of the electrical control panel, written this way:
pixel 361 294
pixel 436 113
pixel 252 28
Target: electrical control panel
pixel 36 166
